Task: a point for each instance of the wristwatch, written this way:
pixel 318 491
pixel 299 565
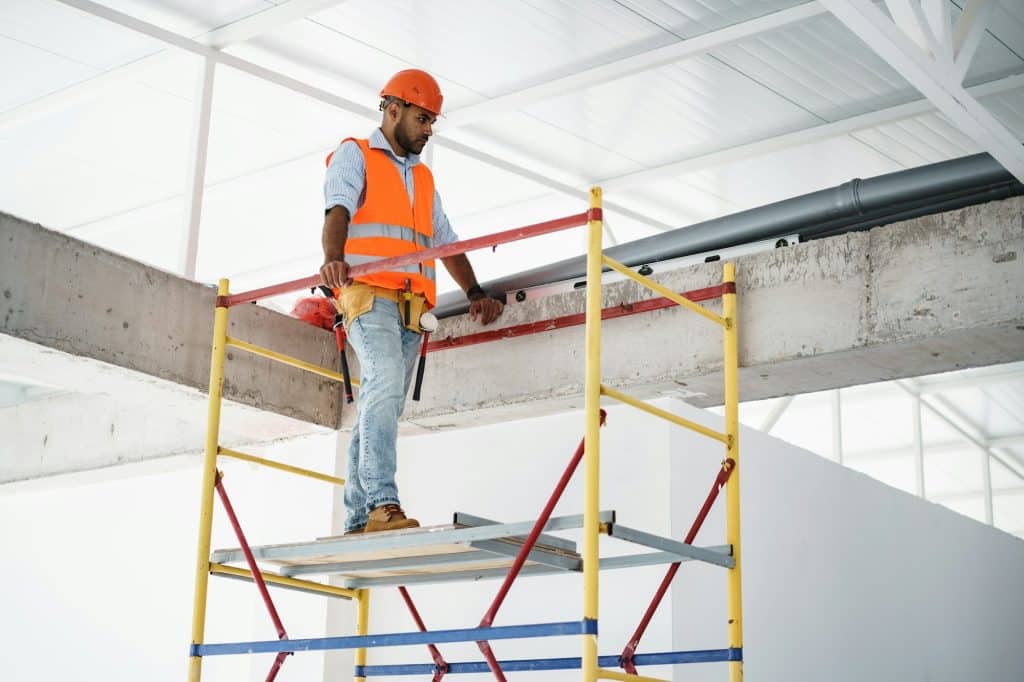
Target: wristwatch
pixel 475 293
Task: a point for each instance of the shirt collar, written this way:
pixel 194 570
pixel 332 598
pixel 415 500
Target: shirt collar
pixel 378 141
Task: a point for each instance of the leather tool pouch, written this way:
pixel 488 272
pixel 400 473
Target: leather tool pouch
pixel 357 298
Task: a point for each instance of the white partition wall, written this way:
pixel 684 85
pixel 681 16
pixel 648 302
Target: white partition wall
pixel 845 579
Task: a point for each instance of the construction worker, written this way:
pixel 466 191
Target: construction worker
pixel 381 202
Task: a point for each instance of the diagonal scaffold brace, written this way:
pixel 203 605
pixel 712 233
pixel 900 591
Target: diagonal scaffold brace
pixel 257 577
pixel 517 565
pixel 441 666
pixel 628 653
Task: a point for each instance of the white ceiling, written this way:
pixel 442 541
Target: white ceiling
pixel 96 130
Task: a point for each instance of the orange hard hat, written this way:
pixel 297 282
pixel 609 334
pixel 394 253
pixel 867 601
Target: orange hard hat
pixel 415 87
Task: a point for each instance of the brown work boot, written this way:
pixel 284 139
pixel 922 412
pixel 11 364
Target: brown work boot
pixel 389 517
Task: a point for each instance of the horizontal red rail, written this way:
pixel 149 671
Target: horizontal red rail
pixel 455 248
pixel 610 313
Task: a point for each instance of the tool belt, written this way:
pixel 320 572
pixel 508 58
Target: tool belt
pixel 357 298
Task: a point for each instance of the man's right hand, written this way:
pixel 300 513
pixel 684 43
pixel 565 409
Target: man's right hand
pixel 335 274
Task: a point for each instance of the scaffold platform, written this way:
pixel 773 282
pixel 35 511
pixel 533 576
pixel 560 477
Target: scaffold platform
pixel 471 548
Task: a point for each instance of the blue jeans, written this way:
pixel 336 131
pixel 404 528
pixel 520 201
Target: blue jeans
pixel 387 354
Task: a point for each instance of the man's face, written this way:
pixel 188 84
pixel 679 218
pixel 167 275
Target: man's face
pixel 414 128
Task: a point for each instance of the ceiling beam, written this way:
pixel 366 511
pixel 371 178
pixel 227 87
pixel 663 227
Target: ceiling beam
pixel 370 113
pixel 943 87
pixel 219 38
pixel 622 68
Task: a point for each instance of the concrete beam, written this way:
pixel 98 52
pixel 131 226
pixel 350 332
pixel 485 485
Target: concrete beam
pixel 929 295
pixel 61 294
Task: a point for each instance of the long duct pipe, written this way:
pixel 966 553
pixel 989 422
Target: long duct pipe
pixel 854 205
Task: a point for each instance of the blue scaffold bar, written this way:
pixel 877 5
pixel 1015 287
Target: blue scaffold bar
pixel 574 627
pixel 667 658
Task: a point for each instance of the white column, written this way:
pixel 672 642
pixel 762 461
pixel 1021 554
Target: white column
pixel 918 446
pixel 196 172
pixel 837 426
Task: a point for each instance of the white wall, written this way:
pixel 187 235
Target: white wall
pixel 845 579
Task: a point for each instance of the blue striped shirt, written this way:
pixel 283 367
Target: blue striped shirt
pixel 345 184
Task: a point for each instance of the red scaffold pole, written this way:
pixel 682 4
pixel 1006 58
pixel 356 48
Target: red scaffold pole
pixel 442 665
pixel 524 551
pixel 455 248
pixel 257 577
pixel 575 319
pixel 626 659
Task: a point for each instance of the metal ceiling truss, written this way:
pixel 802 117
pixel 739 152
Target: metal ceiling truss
pixel 621 68
pixel 933 55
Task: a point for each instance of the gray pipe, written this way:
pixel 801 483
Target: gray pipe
pixel 857 204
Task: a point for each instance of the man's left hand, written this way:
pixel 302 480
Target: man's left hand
pixel 486 308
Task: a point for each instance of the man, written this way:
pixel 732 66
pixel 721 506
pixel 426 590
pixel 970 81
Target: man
pixel 381 203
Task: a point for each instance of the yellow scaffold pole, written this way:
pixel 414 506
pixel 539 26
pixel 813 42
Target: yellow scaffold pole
pixel 592 409
pixel 362 628
pixel 732 451
pixel 220 333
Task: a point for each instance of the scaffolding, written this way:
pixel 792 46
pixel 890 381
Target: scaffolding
pixel 471 547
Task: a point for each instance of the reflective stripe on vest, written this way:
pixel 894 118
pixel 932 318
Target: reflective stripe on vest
pixel 386 225
pixel 392 231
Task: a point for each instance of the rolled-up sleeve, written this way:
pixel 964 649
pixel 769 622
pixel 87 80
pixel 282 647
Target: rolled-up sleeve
pixel 443 232
pixel 346 178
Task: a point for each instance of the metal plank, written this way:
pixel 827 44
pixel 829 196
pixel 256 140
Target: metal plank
pixel 402 540
pixel 537 556
pixel 408 563
pixel 666 545
pixel 461 519
pixel 653 558
pixel 455 576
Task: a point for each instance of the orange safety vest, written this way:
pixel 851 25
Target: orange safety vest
pixel 386 225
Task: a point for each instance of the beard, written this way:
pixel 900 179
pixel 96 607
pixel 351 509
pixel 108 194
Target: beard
pixel 408 143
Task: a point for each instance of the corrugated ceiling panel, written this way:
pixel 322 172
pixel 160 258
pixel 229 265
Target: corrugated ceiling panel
pixel 766 179
pixel 538 40
pixel 189 17
pixel 675 111
pixel 915 142
pixel 67 33
pixel 822 67
pixel 554 148
pixel 317 54
pixel 48 73
pixel 99 158
pixel 1007 24
pixel 1008 107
